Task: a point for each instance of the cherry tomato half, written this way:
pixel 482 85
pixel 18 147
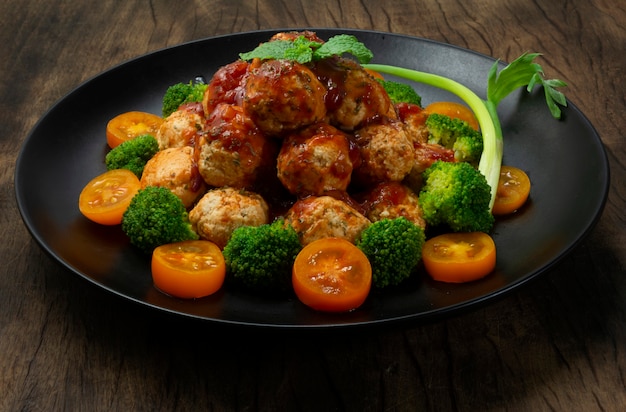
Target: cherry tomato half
pixel 513 190
pixel 106 197
pixel 189 269
pixel 127 126
pixel 459 257
pixel 375 74
pixel 454 110
pixel 332 275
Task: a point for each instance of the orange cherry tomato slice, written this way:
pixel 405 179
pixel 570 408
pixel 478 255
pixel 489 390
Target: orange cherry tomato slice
pixel 332 275
pixel 374 74
pixel 454 110
pixel 459 257
pixel 129 125
pixel 513 190
pixel 188 270
pixel 106 197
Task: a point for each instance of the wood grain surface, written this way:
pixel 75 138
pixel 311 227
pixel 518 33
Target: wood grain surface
pixel 556 344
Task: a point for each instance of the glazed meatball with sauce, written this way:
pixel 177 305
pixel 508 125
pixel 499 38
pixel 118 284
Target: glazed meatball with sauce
pixel 414 119
pixel 316 160
pixel 282 96
pixel 232 148
pixel 220 211
pixel 317 217
pixel 175 169
pixel 391 200
pixel 226 86
pixel 386 153
pixel 180 128
pixel 354 96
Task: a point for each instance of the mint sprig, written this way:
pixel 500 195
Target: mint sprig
pixel 305 51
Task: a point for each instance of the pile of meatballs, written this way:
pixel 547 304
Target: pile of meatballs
pixel 321 145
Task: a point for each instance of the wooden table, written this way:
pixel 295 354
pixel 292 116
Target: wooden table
pixel 559 343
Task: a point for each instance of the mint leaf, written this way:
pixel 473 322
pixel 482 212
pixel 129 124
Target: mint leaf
pixel 268 50
pixel 342 44
pixel 301 50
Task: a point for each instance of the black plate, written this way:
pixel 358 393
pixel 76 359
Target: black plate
pixel 565 159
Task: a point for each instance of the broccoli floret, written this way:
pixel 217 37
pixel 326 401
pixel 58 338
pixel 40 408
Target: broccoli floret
pixel 181 93
pixel 394 249
pixel 261 257
pixel 457 195
pixel 401 93
pixel 457 135
pixel 155 217
pixel 132 154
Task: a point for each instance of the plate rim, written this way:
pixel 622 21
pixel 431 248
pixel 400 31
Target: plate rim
pixel 438 313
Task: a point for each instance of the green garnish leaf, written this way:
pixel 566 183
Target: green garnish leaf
pixel 268 50
pixel 301 50
pixel 305 51
pixel 344 43
pixel 524 72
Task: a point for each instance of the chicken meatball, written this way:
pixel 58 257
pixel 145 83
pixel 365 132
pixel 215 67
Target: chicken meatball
pixel 179 129
pixel 175 169
pixel 386 153
pixel 220 211
pixel 232 148
pixel 317 217
pixel 414 119
pixel 354 96
pixel 318 159
pixel 425 155
pixel 282 96
pixel 391 200
pixel 226 86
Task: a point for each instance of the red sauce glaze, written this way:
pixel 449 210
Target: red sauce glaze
pixel 197 182
pixel 352 96
pixel 226 86
pixel 354 152
pixel 347 199
pixel 412 111
pixel 427 154
pixel 389 193
pixel 333 77
pixel 234 128
pixel 195 107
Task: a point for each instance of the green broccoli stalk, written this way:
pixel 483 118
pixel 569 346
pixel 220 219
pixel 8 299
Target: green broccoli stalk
pixel 132 154
pixel 401 93
pixel 521 72
pixel 394 249
pixel 261 257
pixel 181 93
pixel 155 217
pixel 457 135
pixel 457 195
